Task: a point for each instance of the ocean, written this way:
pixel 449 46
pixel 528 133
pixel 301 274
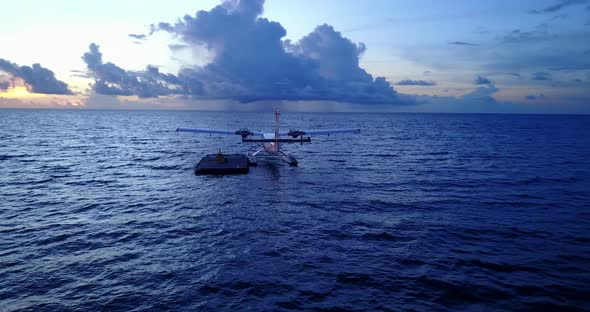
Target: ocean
pixel 102 211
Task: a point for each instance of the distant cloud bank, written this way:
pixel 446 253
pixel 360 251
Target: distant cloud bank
pixel 480 80
pixel 416 83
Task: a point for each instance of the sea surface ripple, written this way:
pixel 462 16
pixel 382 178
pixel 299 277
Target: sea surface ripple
pixel 101 210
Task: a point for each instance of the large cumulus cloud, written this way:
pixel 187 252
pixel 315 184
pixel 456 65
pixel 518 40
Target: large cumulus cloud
pixel 252 62
pixel 37 78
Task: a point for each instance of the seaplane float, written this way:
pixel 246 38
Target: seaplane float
pixel 271 146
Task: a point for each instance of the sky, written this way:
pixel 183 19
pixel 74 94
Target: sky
pixel 380 55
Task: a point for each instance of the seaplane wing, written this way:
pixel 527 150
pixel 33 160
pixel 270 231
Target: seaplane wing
pixel 242 132
pixel 297 133
pixel 271 143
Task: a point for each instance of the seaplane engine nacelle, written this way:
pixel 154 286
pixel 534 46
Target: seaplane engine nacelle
pixel 296 133
pixel 244 133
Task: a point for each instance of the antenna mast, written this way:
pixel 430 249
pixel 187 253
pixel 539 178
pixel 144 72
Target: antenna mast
pixel 277 131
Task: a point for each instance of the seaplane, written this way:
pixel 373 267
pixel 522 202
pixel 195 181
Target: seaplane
pixel 270 144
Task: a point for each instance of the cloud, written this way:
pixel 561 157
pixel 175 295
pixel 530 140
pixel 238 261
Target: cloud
pixel 558 6
pixel 479 100
pixel 482 94
pixel 251 62
pixel 561 16
pixel 100 101
pixel 178 47
pixel 4 85
pixel 138 36
pixel 481 30
pixel 541 76
pixel 514 74
pixel 571 67
pixel 539 34
pixel 161 27
pixel 408 82
pixel 528 50
pixel 426 73
pixel 80 73
pixel 37 78
pixel 463 43
pixel 534 96
pixel 480 80
pixel 111 79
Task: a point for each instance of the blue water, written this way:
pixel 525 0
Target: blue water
pixel 101 210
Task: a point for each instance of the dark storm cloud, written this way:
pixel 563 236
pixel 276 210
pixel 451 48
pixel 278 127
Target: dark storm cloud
pixel 138 36
pixel 111 79
pixel 37 78
pixel 541 76
pixel 408 82
pixel 480 80
pixel 4 85
pixel 463 43
pixel 251 62
pixel 558 6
